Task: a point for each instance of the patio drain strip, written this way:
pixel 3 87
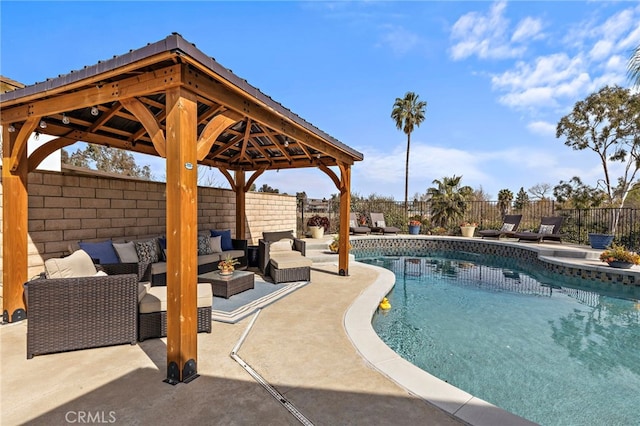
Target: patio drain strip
pixel 258 378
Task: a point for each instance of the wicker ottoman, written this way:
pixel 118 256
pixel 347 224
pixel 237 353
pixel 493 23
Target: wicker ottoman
pixel 152 317
pixel 289 266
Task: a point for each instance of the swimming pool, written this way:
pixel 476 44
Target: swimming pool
pixel 536 346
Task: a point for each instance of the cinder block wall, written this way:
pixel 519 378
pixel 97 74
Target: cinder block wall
pixel 66 207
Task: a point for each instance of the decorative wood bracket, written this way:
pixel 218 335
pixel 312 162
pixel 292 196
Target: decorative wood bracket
pixel 149 122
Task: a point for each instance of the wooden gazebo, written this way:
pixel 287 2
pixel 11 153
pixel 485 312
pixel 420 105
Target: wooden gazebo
pixel 171 100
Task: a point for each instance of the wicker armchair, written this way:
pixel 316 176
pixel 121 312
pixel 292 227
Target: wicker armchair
pixel 270 237
pixel 65 314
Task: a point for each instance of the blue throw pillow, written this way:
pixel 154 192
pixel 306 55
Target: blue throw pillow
pixel 225 241
pixel 102 252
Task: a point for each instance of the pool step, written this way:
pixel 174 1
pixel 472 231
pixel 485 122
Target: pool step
pixel 318 250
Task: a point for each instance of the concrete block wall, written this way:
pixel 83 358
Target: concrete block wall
pixel 71 206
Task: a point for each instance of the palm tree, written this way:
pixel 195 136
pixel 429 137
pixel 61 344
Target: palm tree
pixel 408 113
pixel 505 197
pixel 448 200
pixel 634 66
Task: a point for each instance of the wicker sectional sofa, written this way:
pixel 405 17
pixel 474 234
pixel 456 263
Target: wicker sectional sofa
pixel 149 254
pixel 76 309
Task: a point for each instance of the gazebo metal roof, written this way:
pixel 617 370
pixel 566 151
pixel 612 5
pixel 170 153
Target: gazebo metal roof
pixel 276 139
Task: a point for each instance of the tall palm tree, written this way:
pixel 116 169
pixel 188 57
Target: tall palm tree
pixel 634 66
pixel 408 113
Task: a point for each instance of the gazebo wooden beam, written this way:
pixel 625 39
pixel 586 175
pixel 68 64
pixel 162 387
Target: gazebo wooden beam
pixel 345 207
pixel 15 215
pixel 150 82
pixel 182 229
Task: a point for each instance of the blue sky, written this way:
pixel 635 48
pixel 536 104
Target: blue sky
pixel 497 76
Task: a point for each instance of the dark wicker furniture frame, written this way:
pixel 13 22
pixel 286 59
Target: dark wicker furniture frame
pixel 66 314
pixel 497 233
pixel 161 279
pixel 227 286
pixel 154 324
pixel 556 221
pixel 264 258
pixel 376 217
pixel 290 274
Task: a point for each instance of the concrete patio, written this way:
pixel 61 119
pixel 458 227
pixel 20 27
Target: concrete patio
pixel 298 344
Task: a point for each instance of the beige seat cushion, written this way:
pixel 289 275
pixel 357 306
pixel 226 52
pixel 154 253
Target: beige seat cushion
pixel 77 264
pixel 289 259
pixel 143 288
pixel 155 300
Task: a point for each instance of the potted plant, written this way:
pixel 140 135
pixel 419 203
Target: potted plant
pixel 414 225
pixel 318 225
pixel 468 228
pixel 227 265
pixel 335 244
pixel 619 257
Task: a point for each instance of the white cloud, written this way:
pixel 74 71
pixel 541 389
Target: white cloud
pixel 529 28
pixel 593 53
pixel 542 128
pixel 601 50
pixel 399 40
pixel 485 35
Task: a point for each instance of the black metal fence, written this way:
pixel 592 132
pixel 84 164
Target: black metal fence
pixel 577 225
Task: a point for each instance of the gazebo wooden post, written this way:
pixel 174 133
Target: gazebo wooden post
pixel 241 206
pixel 182 229
pixel 14 226
pixel 345 208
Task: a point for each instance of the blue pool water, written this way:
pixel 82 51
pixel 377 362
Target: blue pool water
pixel 553 354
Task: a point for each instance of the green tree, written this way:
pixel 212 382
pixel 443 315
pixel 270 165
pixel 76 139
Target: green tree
pixel 106 159
pixel 522 200
pixel 608 123
pixel 408 113
pixel 266 188
pixel 448 200
pixel 505 197
pixel 575 194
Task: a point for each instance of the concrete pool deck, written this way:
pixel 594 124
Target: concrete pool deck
pixel 315 346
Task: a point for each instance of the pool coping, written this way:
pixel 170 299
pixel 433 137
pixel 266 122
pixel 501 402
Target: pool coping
pixel 460 404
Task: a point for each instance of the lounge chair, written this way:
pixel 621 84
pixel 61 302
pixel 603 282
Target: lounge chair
pixel 549 230
pixel 354 228
pixel 509 227
pixel 379 226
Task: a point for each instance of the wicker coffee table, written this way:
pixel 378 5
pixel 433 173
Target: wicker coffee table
pixel 228 285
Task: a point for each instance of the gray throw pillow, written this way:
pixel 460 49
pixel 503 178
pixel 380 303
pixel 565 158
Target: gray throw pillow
pixel 126 252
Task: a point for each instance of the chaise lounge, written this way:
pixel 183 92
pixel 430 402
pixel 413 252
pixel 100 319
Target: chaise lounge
pixel 509 227
pixel 354 228
pixel 379 226
pixel 549 230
